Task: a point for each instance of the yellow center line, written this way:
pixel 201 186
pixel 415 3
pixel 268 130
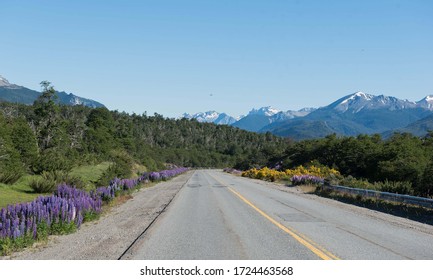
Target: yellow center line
pixel 320 252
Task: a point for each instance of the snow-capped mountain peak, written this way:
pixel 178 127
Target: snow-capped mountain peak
pixel 4 82
pixel 427 102
pixel 264 111
pixel 307 110
pixel 356 97
pixel 359 101
pixel 211 117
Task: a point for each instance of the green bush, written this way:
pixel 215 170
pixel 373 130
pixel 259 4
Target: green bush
pixel 395 187
pixel 352 182
pixel 42 185
pixel 120 168
pixel 11 168
pixel 9 177
pixel 49 180
pixel 51 160
pixel 386 186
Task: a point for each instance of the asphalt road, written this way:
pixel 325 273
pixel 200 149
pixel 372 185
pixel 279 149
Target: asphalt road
pixel 220 216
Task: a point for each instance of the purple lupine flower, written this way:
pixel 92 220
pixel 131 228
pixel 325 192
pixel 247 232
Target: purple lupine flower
pixel 154 176
pixel 68 204
pixel 306 179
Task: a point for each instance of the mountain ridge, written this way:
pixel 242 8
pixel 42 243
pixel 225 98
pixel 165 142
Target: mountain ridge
pixel 253 121
pixel 353 114
pixel 18 94
pixel 357 113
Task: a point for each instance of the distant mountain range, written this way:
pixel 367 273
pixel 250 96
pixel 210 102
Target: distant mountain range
pixel 255 120
pixel 19 94
pixel 212 117
pixel 357 113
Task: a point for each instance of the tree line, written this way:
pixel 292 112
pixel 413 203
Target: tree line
pixel 47 137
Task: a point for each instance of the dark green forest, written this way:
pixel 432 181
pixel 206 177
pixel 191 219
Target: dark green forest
pixel 50 137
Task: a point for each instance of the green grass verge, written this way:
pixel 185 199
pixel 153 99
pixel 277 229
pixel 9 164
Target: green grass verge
pixel 21 191
pixel 90 173
pixel 18 192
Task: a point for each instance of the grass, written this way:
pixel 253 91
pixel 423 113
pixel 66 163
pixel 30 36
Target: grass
pixel 138 169
pixel 18 192
pixel 21 191
pixel 90 173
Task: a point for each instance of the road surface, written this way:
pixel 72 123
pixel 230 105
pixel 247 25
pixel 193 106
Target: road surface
pixel 221 216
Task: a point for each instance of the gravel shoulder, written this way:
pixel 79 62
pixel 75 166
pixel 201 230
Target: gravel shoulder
pixel 108 237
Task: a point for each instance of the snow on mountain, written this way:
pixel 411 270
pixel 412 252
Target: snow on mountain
pixel 287 115
pixel 225 119
pixel 359 101
pixel 264 116
pixel 353 102
pixel 358 95
pixel 426 103
pixel 264 111
pixel 211 117
pixel 5 83
pixel 307 110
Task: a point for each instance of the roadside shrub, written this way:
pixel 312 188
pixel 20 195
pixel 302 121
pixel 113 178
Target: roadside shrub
pixel 9 177
pixel 264 174
pixel 395 187
pixel 352 182
pixel 386 186
pixel 273 175
pixel 319 171
pixel 49 180
pixel 42 185
pixel 120 168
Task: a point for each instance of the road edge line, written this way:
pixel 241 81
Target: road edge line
pixel 321 253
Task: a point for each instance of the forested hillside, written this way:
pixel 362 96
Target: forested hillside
pixel 47 137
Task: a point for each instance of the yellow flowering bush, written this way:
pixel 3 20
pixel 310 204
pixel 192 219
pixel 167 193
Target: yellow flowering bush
pixel 264 174
pixel 322 171
pixel 273 175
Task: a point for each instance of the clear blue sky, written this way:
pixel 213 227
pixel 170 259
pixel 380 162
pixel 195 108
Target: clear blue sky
pixel 172 57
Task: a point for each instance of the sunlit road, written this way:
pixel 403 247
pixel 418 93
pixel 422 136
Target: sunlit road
pixel 220 216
